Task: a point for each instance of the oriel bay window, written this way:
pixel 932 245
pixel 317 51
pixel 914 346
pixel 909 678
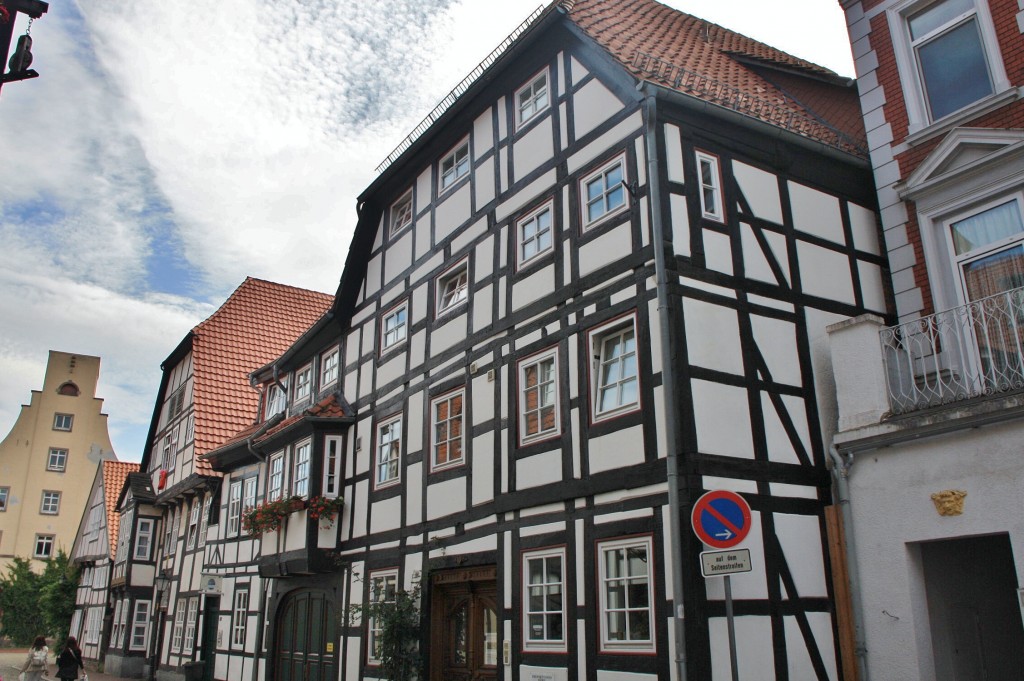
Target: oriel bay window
pixel 544 600
pixel 275 478
pixel 624 575
pixel 300 469
pixel 234 507
pixel 538 397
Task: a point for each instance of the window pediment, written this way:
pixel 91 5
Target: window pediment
pixel 964 152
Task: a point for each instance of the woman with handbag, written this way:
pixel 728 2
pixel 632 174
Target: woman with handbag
pixel 70 660
pixel 35 663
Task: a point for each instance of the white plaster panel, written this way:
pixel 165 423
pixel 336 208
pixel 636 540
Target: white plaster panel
pixel 816 213
pixel 499 107
pixel 378 239
pixel 525 195
pixel 534 287
pixel 674 154
pixel 800 537
pixel 420 307
pixel 604 519
pixel 776 339
pixel 756 655
pixel 503 253
pixel 755 260
pixel 680 219
pixel 414 423
pixel 392 369
pixel 526 339
pixel 825 273
pixel 710 288
pixel 605 249
pixel 577 448
pixel 723 419
pixel 483 132
pixel 483 395
pixel 780 448
pixel 761 189
pixel 446 498
pixel 488 543
pixel 712 336
pixel 864 228
pixel 423 189
pixel 398 257
pixel 413 566
pixel 541 510
pixel 627 128
pixel 483 183
pixel 453 209
pixel 539 469
pixel 718 251
pixel 483 265
pixel 414 493
pixel 563 133
pixel 640 147
pixel 532 149
pixel 502 165
pixel 545 528
pixel 607 675
pixel 577 71
pixel 797 657
pixel 385 515
pixel 871 286
pixel 483 309
pixel 619 449
pixel 417 348
pixel 448 332
pixel 821 361
pixel 781 489
pixel 482 460
pixel 423 232
pixel 738 485
pixel 645 226
pixel 372 279
pixel 574 376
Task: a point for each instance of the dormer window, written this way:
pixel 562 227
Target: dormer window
pixel 277 400
pixel 303 383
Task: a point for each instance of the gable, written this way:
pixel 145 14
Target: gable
pixel 966 156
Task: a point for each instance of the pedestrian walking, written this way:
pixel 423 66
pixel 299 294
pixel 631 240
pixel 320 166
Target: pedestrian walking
pixel 70 660
pixel 35 663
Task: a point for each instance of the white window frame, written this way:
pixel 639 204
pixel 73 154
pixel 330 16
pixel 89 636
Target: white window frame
pixel 332 466
pixel 529 109
pixel 204 521
pixel 546 643
pixel 537 360
pixel 457 279
pixel 302 456
pixel 442 431
pixel 617 645
pixel 919 118
pixel 190 429
pixel 394 444
pixel 957 261
pixel 124 623
pixel 63 422
pixel 249 486
pixel 179 627
pixel 460 167
pixel 94 625
pixel 400 214
pixel 234 508
pixel 140 626
pixel 43 546
pixel 276 476
pixel 714 212
pixel 192 533
pixel 124 536
pixel 330 367
pixel 277 399
pixel 393 336
pixel 190 625
pixel 49 502
pixel 533 217
pixel 239 618
pixel 57 460
pixel 601 174
pixel 383 583
pixel 169 538
pixel 175 532
pixel 116 632
pixel 303 384
pixel 144 539
pixel 5 494
pixel 597 339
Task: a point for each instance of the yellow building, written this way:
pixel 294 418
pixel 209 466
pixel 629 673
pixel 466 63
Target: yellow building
pixel 49 460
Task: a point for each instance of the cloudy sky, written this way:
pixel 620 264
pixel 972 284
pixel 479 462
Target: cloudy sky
pixel 171 148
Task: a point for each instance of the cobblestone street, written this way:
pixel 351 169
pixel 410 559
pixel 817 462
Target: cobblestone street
pixel 12 659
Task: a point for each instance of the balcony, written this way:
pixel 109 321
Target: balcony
pixel 972 351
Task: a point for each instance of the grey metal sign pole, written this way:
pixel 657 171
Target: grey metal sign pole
pixel 731 623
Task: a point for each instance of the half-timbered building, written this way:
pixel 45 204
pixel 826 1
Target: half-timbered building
pixel 593 285
pixel 930 400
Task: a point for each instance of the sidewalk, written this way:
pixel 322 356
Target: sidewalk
pixel 11 660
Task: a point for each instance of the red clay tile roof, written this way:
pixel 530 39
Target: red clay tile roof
pixel 114 474
pixel 257 323
pixel 675 49
pixel 329 407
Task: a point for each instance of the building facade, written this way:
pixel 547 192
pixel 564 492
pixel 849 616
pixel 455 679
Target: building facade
pixel 930 400
pixel 49 458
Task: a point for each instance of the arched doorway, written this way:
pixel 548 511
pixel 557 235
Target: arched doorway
pixel 306 638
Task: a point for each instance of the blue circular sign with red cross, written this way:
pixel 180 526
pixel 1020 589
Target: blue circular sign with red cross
pixel 721 519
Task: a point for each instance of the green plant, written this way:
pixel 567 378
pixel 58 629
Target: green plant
pixel 398 626
pixel 34 604
pixel 324 509
pixel 269 516
pixel 57 594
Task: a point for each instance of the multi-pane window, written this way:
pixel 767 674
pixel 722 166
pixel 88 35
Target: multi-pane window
pixel 140 626
pixel 190 624
pixel 278 399
pixel 300 470
pixel 44 546
pixel 57 460
pixel 144 539
pixel 329 368
pixel 94 625
pixel 117 631
pixel 624 576
pixel 63 421
pixel 389 451
pixel 393 326
pixel 234 507
pixel 538 397
pixel 124 533
pixel 532 98
pixel 401 214
pixel 204 521
pixel 544 599
pixel 175 403
pixel 988 248
pixel 169 535
pixel 239 618
pixel 447 441
pixel 249 493
pixel 455 165
pixel 603 192
pixel 332 466
pixel 179 627
pixel 383 589
pixel 275 480
pixel 615 371
pixel 303 383
pixel 193 526
pixel 5 492
pixel 710 187
pixel 190 429
pixel 123 623
pixel 452 288
pixel 172 547
pixel 534 234
pixel 50 504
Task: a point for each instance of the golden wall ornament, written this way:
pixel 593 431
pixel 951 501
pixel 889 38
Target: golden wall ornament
pixel 949 501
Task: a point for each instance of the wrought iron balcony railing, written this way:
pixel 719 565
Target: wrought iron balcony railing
pixel 960 354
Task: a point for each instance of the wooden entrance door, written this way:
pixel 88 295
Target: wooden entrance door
pixel 211 612
pixel 307 633
pixel 464 639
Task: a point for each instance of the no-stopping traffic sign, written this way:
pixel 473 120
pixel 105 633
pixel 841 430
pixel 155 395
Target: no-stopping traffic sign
pixel 721 519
